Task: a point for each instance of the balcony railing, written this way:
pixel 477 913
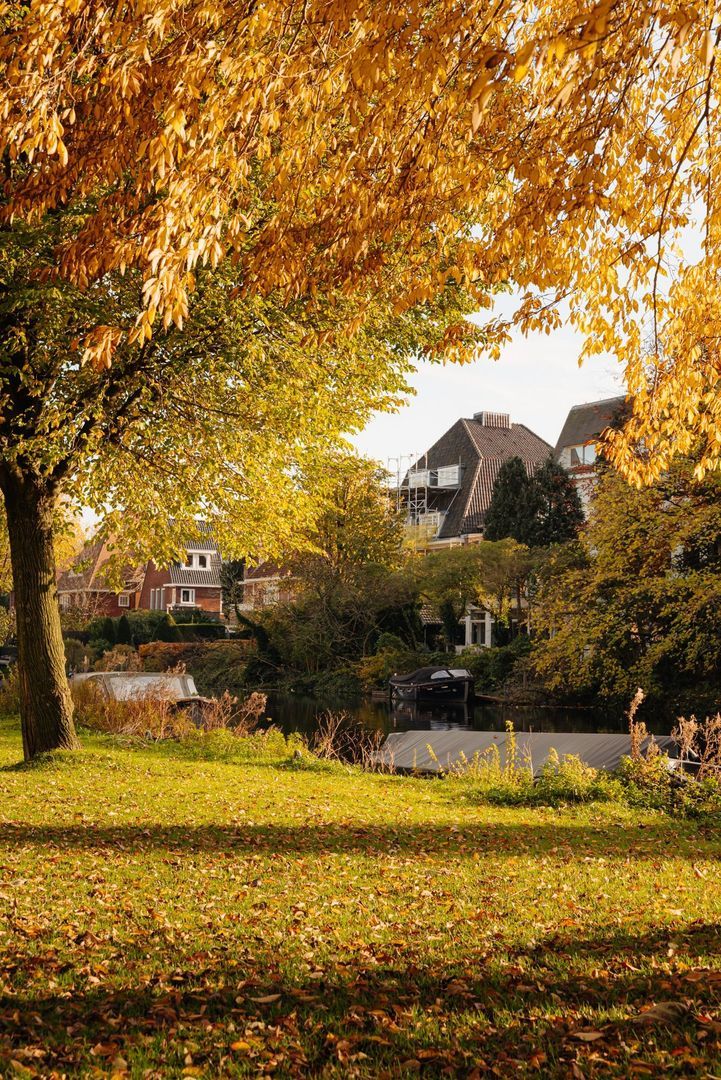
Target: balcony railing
pixel 447 477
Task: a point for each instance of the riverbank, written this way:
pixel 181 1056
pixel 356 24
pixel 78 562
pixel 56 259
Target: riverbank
pixel 210 918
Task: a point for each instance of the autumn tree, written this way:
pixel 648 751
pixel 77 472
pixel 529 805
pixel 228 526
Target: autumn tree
pixel 230 418
pixel 448 580
pixel 635 601
pixel 489 574
pixel 349 152
pixel 345 577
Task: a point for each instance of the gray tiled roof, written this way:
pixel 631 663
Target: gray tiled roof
pixel 585 423
pixel 514 441
pixel 184 575
pixel 480 450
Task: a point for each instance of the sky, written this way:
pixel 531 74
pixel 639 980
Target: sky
pixel 536 380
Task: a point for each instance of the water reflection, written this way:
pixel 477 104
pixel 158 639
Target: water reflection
pixel 301 714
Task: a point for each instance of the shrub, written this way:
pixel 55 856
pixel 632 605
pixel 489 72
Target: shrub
pixel 77 654
pixel 143 625
pixel 167 629
pixel 491 668
pixel 193 616
pixel 98 646
pixel 123 634
pixel 119 658
pixel 697 797
pixel 508 783
pixel 270 745
pixel 568 779
pixel 107 630
pixel 342 685
pixel 201 631
pixel 216 666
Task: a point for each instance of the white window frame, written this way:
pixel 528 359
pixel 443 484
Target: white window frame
pixel 585 452
pixel 191 594
pixel 192 559
pixel 124 600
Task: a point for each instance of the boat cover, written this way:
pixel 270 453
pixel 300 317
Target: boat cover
pixel 426 674
pixel 438 751
pixel 124 685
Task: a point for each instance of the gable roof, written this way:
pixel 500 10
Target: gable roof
pixel 479 449
pixel 585 422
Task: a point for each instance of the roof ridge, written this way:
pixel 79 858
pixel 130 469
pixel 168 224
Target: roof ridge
pixel 599 401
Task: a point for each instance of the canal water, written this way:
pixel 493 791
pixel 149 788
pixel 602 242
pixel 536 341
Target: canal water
pixel 302 714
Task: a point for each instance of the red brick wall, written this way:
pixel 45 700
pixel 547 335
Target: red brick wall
pixel 210 600
pixel 155 578
pixel 96 603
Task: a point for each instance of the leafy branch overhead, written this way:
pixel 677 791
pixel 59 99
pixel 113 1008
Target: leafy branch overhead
pixel 323 144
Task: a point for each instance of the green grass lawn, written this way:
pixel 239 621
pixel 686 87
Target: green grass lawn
pixel 163 916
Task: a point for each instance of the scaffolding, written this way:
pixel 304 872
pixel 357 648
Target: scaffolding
pixel 414 484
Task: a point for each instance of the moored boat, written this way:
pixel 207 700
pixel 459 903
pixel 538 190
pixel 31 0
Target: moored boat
pixel 433 684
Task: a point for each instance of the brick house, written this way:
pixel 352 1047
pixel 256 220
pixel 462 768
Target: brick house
pixel 84 585
pixel 194 583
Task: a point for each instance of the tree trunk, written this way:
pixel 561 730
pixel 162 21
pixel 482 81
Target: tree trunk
pixel 46 707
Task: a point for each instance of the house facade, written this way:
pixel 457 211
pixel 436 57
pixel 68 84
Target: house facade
pixel 85 586
pixel 447 492
pixel 195 583
pixel 576 448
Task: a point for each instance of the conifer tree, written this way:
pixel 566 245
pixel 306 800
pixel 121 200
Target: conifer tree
pixel 515 504
pixel 559 513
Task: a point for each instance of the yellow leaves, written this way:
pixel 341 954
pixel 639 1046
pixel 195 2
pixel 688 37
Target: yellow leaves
pixel 523 61
pixel 557 48
pixel 99 346
pixel 707 49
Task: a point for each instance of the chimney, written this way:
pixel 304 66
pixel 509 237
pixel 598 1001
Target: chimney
pixel 493 419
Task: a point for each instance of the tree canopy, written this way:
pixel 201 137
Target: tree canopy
pixel 635 602
pixel 566 150
pixel 514 505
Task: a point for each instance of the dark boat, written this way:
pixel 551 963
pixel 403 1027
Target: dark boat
pixel 433 684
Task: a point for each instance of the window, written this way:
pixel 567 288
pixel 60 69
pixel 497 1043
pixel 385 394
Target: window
pixel 123 600
pixel 198 559
pixel 187 596
pixel 582 455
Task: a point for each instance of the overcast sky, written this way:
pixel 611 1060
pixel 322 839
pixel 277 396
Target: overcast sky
pixel 537 380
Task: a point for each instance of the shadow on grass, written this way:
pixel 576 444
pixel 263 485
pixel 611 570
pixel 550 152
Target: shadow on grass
pixel 562 840
pixel 384 1004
